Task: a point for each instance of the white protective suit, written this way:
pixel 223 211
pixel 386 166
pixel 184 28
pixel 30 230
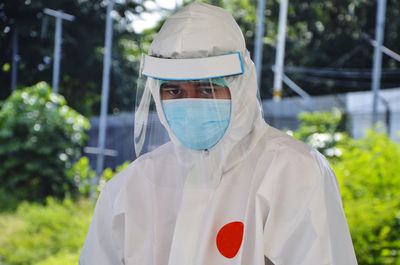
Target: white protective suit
pixel 258 197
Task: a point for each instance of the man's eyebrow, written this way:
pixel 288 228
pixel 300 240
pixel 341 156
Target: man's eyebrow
pixel 170 85
pixel 211 84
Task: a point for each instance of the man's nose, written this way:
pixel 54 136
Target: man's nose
pixel 191 91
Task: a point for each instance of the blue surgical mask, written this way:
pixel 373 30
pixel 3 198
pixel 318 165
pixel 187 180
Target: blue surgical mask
pixel 198 124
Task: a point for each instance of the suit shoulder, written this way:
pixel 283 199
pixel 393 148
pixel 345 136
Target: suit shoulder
pixel 282 143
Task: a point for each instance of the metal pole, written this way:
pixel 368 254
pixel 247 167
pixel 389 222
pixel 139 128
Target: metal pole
pixel 292 85
pixel 280 50
pixel 258 42
pixel 15 59
pixel 377 65
pixel 59 15
pixel 386 51
pixel 104 97
pixel 57 54
pixel 388 116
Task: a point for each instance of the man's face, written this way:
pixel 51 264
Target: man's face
pixel 193 89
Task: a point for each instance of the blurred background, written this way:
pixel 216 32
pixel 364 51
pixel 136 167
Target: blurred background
pixel 329 75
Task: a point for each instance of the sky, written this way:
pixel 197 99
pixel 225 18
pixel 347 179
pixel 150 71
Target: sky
pixel 149 20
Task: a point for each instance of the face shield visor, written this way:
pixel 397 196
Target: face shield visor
pixel 187 101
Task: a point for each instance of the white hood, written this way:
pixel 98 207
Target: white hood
pixel 197 31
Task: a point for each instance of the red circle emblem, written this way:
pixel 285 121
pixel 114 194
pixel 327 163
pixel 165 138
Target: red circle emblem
pixel 229 239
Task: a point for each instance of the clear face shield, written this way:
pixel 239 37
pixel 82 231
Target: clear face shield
pixel 186 101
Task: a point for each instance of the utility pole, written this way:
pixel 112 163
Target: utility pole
pixel 280 50
pixel 258 42
pixel 104 98
pixel 59 16
pixel 15 59
pixel 377 65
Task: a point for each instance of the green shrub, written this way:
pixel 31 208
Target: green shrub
pixel 323 131
pixel 368 172
pixel 369 175
pixel 64 258
pixel 41 235
pixel 108 173
pixel 53 233
pixel 40 137
pixel 82 175
pixel 8 202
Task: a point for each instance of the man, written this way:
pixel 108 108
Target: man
pixel 228 188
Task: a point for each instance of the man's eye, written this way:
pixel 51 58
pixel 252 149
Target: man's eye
pixel 207 91
pixel 172 91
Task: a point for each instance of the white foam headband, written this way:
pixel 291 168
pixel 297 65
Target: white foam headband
pixel 193 69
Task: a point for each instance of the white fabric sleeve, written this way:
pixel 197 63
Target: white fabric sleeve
pixel 305 223
pixel 99 248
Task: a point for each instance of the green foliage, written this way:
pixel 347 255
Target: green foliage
pixel 44 235
pixel 82 175
pixel 40 137
pixel 323 131
pixel 108 173
pixel 369 174
pixel 8 201
pixel 53 233
pixel 64 258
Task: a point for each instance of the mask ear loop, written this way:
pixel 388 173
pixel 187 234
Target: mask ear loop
pixel 141 118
